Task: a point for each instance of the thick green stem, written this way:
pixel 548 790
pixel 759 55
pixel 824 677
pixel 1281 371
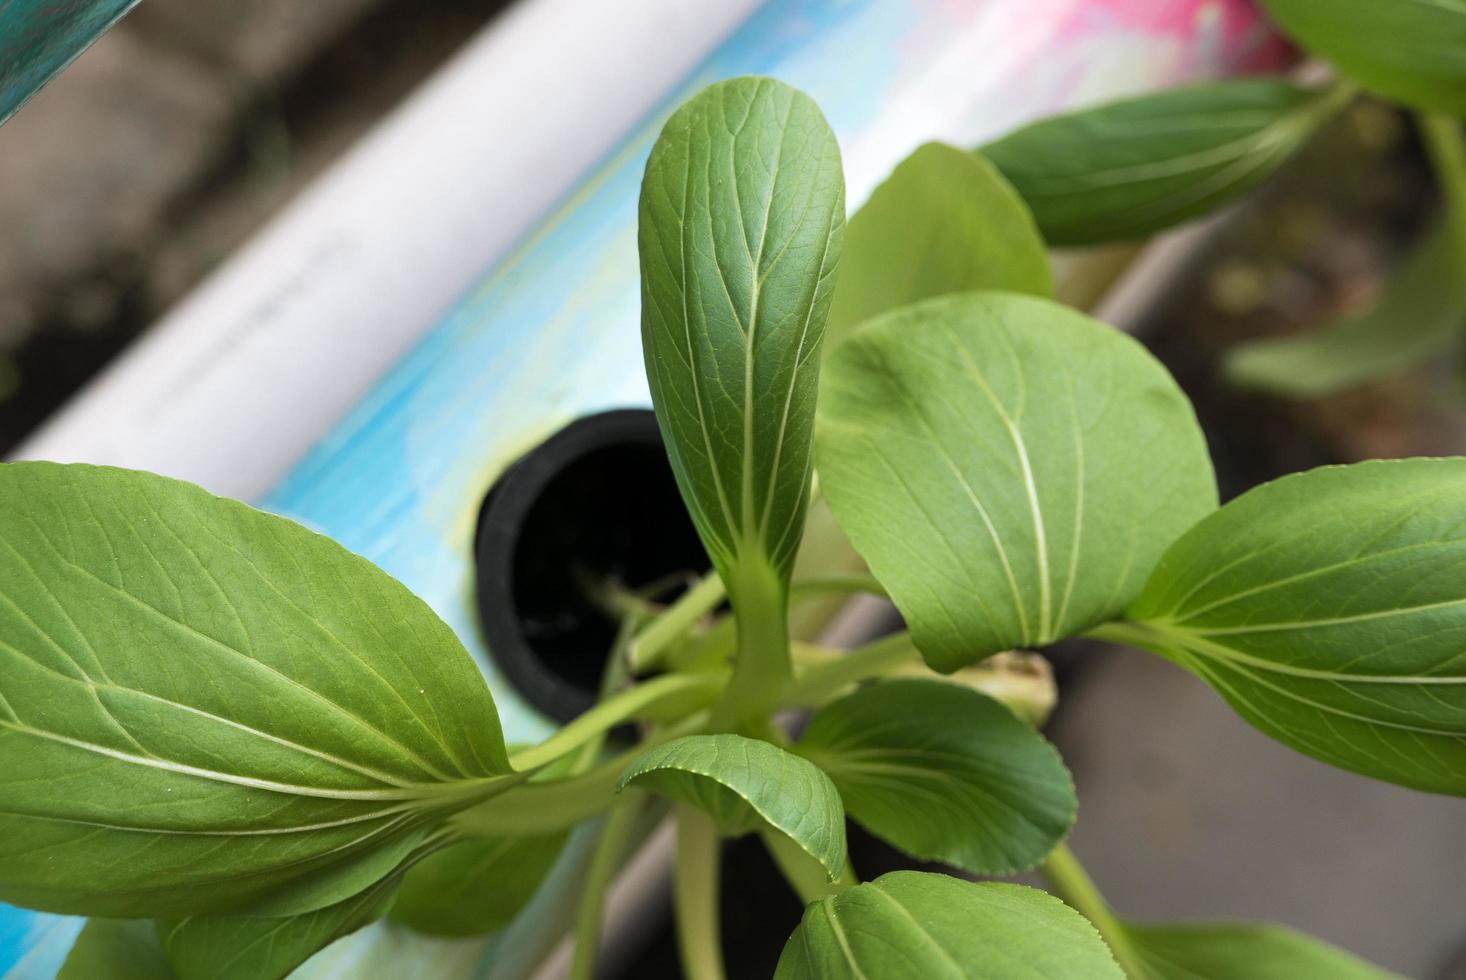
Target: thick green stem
pixel 805 875
pixel 544 807
pixel 612 712
pixel 1068 880
pixel 819 586
pixel 761 668
pixel 699 935
pixel 610 851
pixel 648 647
pixel 821 683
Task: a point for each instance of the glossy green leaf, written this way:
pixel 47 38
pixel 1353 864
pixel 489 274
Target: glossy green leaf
pixel 1009 469
pixel 742 209
pixel 476 886
pixel 945 221
pixel 945 774
pixel 1413 51
pixel 116 949
pixel 1126 169
pixel 204 708
pixel 915 924
pixel 745 783
pixel 229 947
pixel 1420 313
pixel 1328 608
pixel 1232 951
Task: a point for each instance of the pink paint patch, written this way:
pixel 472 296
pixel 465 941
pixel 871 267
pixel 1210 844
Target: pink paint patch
pixel 1230 33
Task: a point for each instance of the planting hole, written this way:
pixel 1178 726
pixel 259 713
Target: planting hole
pixel 593 508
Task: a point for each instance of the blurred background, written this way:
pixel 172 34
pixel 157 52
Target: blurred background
pixel 191 124
pixel 154 157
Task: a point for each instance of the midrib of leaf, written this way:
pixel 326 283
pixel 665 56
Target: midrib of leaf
pixel 916 405
pixel 832 916
pixel 1041 544
pixel 463 788
pixel 1279 133
pixel 95 687
pixel 921 931
pixel 842 760
pixel 1077 538
pixel 397 813
pixel 1326 748
pixel 684 282
pixel 756 293
pixel 1356 562
pixel 1197 643
pixel 1289 625
pixel 904 779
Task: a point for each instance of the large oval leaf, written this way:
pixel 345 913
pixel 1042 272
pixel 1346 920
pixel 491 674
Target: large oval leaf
pixel 1129 168
pixel 742 208
pixel 238 947
pixel 915 924
pixel 201 704
pixel 1257 952
pixel 476 886
pixel 745 783
pixel 945 774
pixel 1328 608
pixel 1010 469
pixel 1410 50
pixel 945 221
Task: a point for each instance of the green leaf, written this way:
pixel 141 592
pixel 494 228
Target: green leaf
pixel 477 886
pixel 204 708
pixel 1413 51
pixel 116 949
pixel 745 783
pixel 1010 469
pixel 945 774
pixel 945 221
pixel 915 924
pixel 1328 608
pixel 1126 169
pixel 1420 313
pixel 742 209
pixel 1257 952
pixel 229 947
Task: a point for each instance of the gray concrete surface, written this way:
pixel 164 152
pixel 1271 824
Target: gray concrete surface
pixel 1186 812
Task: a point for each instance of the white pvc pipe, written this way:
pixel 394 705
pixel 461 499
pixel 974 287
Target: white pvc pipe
pixel 258 363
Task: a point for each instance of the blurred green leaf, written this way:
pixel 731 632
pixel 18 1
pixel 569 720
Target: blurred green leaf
pixel 1233 951
pixel 1127 169
pixel 945 221
pixel 1413 51
pixel 476 886
pixel 116 949
pixel 226 947
pixel 1420 313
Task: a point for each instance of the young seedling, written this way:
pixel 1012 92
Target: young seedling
pixel 217 720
